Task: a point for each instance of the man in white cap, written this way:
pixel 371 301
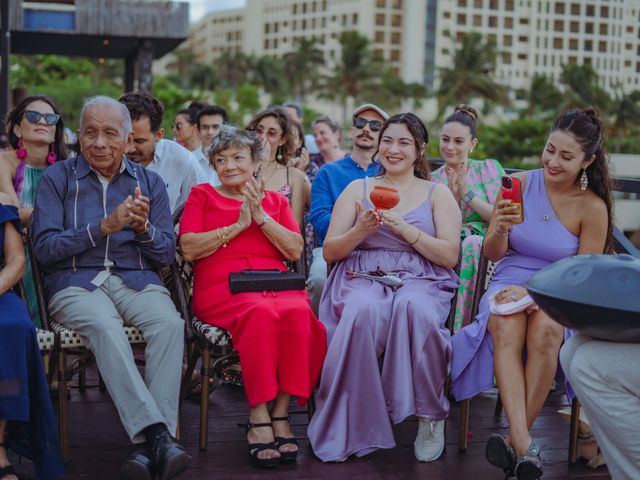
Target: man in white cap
pixel 333 178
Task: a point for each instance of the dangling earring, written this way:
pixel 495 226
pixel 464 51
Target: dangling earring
pixel 279 153
pixel 471 150
pixel 52 157
pixel 21 152
pixel 584 180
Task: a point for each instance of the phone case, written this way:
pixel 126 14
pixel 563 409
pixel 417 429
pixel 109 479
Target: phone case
pixel 514 193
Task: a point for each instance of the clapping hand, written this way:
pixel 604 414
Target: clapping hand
pixel 367 221
pixel 457 180
pixel 253 194
pixel 138 211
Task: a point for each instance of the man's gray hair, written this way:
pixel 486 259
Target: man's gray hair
pixel 232 137
pixel 103 101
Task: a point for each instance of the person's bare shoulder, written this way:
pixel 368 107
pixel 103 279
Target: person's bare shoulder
pixel 5 199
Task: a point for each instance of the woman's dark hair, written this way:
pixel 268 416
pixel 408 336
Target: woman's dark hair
pixel 465 115
pixel 298 126
pixel 287 148
pixel 420 137
pixel 191 114
pixel 587 129
pixel 15 117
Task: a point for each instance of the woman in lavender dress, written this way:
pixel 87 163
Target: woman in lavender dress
pixel 567 211
pixel 389 349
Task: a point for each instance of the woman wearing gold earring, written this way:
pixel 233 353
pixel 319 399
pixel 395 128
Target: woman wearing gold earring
pixel 275 129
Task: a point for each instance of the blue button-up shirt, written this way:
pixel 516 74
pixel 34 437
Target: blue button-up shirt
pixel 71 202
pixel 331 180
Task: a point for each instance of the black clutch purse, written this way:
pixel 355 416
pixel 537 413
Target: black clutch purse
pixel 265 280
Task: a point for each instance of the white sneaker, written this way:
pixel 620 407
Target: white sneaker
pixel 429 443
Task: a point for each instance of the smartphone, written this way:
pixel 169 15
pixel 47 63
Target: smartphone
pixel 258 171
pixel 512 190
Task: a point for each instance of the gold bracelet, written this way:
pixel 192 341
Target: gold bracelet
pixel 222 241
pixel 226 235
pixel 417 238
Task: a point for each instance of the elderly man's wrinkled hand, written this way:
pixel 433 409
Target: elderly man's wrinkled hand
pixel 117 219
pixel 139 212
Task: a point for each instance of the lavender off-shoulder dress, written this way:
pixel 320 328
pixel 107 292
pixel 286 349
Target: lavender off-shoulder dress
pixel 537 242
pixel 388 351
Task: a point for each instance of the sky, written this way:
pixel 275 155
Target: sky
pixel 198 8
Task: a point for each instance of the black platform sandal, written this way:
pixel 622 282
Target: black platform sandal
pixel 280 441
pixel 256 448
pixel 529 465
pixel 501 454
pixel 8 470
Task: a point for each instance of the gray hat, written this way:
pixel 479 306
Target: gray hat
pixel 370 106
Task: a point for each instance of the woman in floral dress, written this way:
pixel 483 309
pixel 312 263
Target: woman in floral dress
pixel 475 184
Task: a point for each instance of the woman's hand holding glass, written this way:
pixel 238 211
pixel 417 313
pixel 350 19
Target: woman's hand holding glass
pixel 367 221
pixel 392 220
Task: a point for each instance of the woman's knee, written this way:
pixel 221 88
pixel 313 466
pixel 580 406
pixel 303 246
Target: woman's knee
pixel 544 336
pixel 505 330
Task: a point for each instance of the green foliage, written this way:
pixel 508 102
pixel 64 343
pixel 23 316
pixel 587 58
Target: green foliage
pixel 510 142
pixel 470 75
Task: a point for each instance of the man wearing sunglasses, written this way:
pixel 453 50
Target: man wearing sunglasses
pixel 333 178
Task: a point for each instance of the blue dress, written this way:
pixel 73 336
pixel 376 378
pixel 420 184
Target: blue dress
pixel 24 393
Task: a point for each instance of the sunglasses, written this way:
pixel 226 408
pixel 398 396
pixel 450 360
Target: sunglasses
pixel 374 125
pixel 34 117
pixel 271 133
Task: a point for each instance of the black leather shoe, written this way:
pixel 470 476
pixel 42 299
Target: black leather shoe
pixel 169 456
pixel 139 466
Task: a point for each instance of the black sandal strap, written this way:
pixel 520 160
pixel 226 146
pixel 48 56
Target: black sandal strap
pixel 248 426
pixel 280 441
pixel 281 419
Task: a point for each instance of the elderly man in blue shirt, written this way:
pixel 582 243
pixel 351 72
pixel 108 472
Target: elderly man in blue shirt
pixel 102 227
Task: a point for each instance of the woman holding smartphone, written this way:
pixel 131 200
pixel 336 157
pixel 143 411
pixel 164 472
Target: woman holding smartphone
pixel 567 211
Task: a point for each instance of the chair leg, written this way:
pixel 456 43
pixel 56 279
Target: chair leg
pixel 82 379
pixel 62 402
pixel 192 359
pixel 464 425
pixel 573 431
pixel 101 385
pixel 498 410
pixel 204 397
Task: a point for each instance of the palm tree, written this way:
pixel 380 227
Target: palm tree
pixel 232 68
pixel 544 96
pixel 268 73
pixel 353 72
pixel 582 89
pixel 301 67
pixel 470 75
pixel 625 113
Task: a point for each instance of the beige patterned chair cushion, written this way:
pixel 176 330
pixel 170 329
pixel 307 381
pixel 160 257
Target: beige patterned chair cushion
pixel 70 339
pixel 46 340
pixel 214 335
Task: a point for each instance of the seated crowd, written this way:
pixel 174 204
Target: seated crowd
pixel 384 321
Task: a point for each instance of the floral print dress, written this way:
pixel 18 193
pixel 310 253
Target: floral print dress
pixel 483 179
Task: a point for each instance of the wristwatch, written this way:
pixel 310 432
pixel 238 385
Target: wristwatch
pixel 468 197
pixel 265 218
pixel 147 224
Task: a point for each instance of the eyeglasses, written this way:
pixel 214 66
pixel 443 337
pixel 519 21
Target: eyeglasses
pixel 34 117
pixel 271 133
pixel 374 125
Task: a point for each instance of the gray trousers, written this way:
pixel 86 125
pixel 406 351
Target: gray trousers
pixel 98 317
pixel 317 279
pixel 606 379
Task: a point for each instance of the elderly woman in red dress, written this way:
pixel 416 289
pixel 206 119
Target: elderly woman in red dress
pixel 235 226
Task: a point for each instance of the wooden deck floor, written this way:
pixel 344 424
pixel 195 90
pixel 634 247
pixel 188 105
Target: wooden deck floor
pixel 98 444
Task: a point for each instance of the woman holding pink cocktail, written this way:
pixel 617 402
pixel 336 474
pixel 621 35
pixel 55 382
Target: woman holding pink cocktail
pixel 401 224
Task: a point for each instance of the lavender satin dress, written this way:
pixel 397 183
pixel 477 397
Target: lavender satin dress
pixel 388 351
pixel 537 242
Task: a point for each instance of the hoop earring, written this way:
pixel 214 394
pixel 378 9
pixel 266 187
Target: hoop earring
pixel 279 153
pixel 52 157
pixel 21 152
pixel 584 180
